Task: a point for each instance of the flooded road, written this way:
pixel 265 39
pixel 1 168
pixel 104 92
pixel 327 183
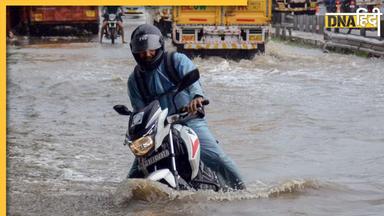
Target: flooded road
pixel 305 128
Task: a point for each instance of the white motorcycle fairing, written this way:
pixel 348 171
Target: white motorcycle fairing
pixel 165 174
pixel 192 144
pixel 162 131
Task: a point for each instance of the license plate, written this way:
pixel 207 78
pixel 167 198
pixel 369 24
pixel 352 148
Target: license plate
pixel 90 13
pixel 255 37
pixel 112 24
pixel 155 158
pixel 186 38
pixel 38 17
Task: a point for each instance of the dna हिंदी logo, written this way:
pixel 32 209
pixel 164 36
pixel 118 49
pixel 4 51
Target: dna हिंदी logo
pixel 360 19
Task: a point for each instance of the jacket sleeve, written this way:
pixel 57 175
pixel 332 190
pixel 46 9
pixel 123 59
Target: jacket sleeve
pixel 134 95
pixel 184 65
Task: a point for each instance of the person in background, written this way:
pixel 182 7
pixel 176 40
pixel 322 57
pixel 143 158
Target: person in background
pixel 112 10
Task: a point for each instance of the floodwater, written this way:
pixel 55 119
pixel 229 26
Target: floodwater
pixel 305 128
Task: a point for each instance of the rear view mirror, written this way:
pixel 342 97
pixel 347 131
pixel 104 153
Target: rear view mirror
pixel 188 80
pixel 122 110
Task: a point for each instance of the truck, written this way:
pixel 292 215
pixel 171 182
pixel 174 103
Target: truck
pixel 233 31
pixel 41 19
pixel 295 6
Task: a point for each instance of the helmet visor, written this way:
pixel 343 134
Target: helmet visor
pixel 145 42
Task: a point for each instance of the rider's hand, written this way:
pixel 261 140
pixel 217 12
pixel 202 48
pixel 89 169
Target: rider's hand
pixel 194 104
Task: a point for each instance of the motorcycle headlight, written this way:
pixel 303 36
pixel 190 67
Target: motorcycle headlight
pixel 142 146
pixel 112 16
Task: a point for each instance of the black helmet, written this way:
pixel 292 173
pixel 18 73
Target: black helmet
pixel 147 37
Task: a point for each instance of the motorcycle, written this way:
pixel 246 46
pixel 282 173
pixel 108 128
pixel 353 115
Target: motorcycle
pixel 112 31
pixel 166 149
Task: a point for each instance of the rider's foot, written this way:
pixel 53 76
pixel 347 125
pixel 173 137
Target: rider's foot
pixel 241 186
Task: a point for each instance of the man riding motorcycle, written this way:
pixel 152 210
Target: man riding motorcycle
pixel 112 10
pixel 151 78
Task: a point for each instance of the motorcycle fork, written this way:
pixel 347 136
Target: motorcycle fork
pixel 175 174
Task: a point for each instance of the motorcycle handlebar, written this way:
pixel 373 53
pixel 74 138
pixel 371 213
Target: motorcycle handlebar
pixel 205 102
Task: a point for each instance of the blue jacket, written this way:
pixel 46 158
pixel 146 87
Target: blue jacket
pixel 159 83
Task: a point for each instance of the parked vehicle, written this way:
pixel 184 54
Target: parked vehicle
pixel 41 19
pixel 231 30
pixel 295 6
pixel 134 10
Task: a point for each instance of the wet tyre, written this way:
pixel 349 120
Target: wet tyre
pixel 113 35
pixel 261 48
pixel 94 28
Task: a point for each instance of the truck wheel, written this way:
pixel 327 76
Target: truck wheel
pixel 250 54
pixel 94 28
pixel 261 48
pixel 34 30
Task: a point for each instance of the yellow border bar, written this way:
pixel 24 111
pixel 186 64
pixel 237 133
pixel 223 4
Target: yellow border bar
pixel 3 117
pixel 128 2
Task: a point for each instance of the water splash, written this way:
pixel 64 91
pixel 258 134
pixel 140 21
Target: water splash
pixel 145 190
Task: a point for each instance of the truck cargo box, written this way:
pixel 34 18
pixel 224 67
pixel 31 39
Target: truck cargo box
pixel 63 14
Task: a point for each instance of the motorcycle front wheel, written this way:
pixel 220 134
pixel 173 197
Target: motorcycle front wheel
pixel 113 35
